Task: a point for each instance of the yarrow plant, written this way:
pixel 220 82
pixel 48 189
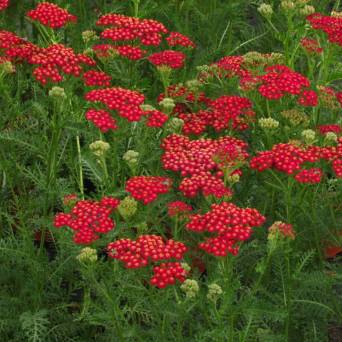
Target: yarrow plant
pixel 163 192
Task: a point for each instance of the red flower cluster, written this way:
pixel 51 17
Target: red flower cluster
pixel 206 183
pixel 101 119
pixel 311 45
pixel 170 58
pixel 197 159
pixel 231 224
pixel 337 167
pixel 123 28
pixel 311 176
pixel 155 118
pixel 178 208
pixel 324 129
pixel 131 52
pixel 166 274
pixel 150 249
pixel 289 158
pixel 147 188
pixel 146 249
pixel 125 102
pixel 332 26
pixel 55 59
pixel 4 4
pixel 89 219
pixel 96 78
pixel 51 15
pixel 176 38
pixel 281 80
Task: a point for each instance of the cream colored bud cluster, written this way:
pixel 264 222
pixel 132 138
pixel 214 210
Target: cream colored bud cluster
pixel 268 123
pixel 309 136
pixel 330 137
pixel 190 288
pixel 87 255
pixel 57 92
pixel 89 35
pixel 167 104
pixel 7 67
pixel 99 148
pixel 214 292
pixel 253 58
pixel 265 10
pixel 131 158
pixel 295 117
pixel 128 207
pixel 336 14
pixel 300 6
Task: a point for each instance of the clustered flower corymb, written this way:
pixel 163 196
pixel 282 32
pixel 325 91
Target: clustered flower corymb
pixel 332 26
pixel 88 219
pixel 147 188
pixel 151 249
pixel 291 159
pixel 201 162
pixel 229 223
pixel 51 15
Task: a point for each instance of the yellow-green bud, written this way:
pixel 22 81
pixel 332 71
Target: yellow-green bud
pixel 330 137
pixel 7 67
pixel 57 92
pixel 186 266
pixel 87 255
pixel 295 117
pixel 131 158
pixel 265 10
pixel 167 104
pixel 193 85
pixel 336 14
pixel 268 123
pixel 89 35
pixel 128 207
pixel 99 148
pixel 214 292
pixel 190 288
pixel 307 10
pixel 287 5
pixel 235 178
pixel 309 136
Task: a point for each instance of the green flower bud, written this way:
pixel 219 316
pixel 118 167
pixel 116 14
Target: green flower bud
pixel 268 123
pixel 87 255
pixel 128 207
pixel 214 292
pixel 265 10
pixel 190 288
pixel 99 148
pixel 57 92
pixel 89 35
pixel 7 67
pixel 307 10
pixel 309 136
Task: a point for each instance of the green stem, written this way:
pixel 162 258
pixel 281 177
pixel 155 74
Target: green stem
pixel 80 169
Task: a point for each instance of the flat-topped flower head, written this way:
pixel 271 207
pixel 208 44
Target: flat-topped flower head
pixel 51 15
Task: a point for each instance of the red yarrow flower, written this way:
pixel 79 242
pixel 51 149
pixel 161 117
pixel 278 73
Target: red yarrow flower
pixel 311 176
pixel 96 78
pixel 4 4
pixel 334 128
pixel 101 119
pixel 178 209
pixel 178 39
pixel 169 58
pixel 51 15
pixel 230 223
pixel 89 219
pixel 167 273
pixel 148 188
pixel 311 45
